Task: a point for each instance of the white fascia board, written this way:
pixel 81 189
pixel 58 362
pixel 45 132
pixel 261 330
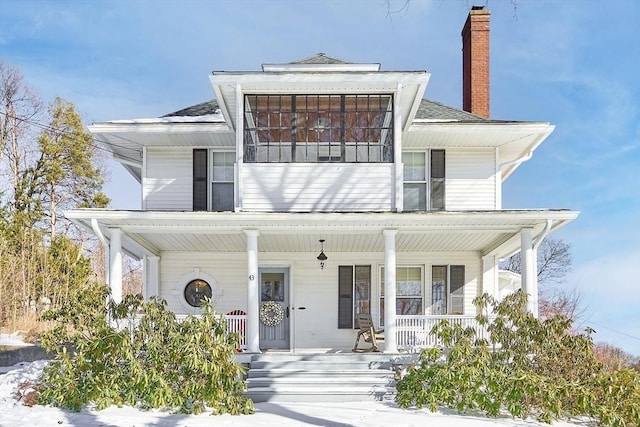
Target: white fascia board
pixel 222 104
pixel 158 221
pixel 101 129
pixel 280 82
pixel 422 125
pixel 502 133
pixel 419 94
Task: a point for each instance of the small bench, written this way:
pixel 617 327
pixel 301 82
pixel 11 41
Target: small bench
pixel 368 332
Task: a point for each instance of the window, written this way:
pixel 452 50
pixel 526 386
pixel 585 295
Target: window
pixel 417 195
pixel 318 128
pixel 415 181
pixel 218 167
pixel 354 293
pixel 447 289
pixel 222 181
pixel 196 291
pixel 409 288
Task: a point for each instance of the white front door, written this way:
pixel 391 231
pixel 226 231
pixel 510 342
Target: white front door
pixel 274 308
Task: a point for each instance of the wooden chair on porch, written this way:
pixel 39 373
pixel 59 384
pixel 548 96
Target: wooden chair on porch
pixel 368 332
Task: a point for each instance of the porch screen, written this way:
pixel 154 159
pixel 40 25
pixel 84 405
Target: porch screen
pixel 354 293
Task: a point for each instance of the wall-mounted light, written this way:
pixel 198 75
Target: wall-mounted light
pixel 322 257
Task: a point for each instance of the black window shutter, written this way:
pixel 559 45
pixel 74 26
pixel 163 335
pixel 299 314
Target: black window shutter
pixel 437 179
pixel 345 297
pixel 457 278
pixel 200 180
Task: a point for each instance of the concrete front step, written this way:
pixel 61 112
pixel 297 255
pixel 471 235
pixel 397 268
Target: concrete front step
pixel 320 377
pixel 325 394
pixel 317 373
pixel 320 365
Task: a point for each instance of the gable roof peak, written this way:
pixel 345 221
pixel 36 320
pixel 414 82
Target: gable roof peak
pixel 320 62
pixel 320 58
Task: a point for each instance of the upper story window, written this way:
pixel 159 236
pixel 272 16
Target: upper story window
pixel 318 128
pixel 213 181
pixel 424 186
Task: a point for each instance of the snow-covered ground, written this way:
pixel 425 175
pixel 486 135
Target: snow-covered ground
pixel 14 413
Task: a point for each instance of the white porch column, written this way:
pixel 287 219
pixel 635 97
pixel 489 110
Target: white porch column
pixel 528 274
pixel 253 293
pixel 390 342
pixel 115 265
pixel 152 276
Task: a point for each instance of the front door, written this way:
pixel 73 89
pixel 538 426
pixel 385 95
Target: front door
pixel 274 308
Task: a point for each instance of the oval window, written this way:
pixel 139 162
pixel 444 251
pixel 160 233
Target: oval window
pixel 195 291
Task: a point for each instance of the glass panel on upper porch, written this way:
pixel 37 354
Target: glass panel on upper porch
pixel 318 128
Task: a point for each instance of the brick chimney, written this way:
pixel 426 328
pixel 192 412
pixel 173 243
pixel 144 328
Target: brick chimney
pixel 475 62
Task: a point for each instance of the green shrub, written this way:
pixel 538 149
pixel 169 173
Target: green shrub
pixel 528 367
pixel 157 363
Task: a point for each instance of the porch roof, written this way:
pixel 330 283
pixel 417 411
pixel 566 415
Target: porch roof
pixel 487 232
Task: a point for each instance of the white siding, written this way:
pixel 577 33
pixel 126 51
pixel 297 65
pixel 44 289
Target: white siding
pixel 291 187
pixel 168 179
pixel 228 270
pixel 310 287
pixel 470 180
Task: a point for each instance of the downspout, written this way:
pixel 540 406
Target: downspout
pixel 97 231
pixel 545 233
pixel 516 161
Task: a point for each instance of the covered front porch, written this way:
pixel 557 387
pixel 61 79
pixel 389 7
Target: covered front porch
pixel 238 253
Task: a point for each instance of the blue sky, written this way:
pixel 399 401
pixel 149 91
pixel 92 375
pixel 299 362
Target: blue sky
pixel 574 63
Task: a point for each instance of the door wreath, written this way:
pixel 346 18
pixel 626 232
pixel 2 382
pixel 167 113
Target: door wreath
pixel 271 313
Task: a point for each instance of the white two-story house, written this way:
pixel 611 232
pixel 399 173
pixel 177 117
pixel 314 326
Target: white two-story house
pixel 308 192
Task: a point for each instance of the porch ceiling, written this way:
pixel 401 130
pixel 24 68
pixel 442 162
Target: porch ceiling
pixel 495 232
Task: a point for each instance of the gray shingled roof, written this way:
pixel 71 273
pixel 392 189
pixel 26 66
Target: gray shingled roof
pixel 431 110
pixel 428 110
pixel 320 58
pixel 202 109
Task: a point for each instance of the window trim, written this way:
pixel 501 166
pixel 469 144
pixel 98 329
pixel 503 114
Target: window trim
pixel 381 288
pixel 207 194
pixel 429 181
pixel 448 285
pixel 342 324
pixel 212 181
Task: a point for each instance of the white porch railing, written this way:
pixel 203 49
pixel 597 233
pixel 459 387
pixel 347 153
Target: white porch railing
pixel 413 332
pixel 235 324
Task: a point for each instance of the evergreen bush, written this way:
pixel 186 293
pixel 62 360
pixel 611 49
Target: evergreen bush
pixel 528 367
pixel 148 361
